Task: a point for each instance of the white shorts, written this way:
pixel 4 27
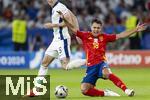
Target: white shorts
pixel 59 49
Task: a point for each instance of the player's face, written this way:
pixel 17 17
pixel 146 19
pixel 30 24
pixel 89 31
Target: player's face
pixel 96 29
pixel 51 2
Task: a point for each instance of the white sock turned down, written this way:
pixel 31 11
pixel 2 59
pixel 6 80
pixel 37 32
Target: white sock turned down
pixel 110 93
pixel 42 72
pixel 76 63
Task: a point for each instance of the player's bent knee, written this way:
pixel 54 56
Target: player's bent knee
pixel 105 76
pixel 106 72
pixel 84 88
pixel 84 91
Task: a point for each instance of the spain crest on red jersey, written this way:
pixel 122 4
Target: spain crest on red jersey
pixel 101 38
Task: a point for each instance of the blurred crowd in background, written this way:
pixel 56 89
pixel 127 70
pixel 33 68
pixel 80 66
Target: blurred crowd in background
pixel 117 16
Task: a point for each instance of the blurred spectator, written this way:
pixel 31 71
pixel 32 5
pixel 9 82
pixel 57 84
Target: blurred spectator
pixel 7 13
pixel 84 20
pixel 131 23
pixel 1 7
pixel 147 5
pixel 114 12
pixel 110 22
pixel 31 10
pixel 19 32
pixel 145 38
pixel 37 43
pixel 146 34
pixel 121 7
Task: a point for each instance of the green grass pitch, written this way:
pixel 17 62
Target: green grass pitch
pixel 138 79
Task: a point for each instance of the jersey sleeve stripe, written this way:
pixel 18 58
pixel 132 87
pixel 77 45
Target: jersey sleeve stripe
pixel 60 30
pixel 66 48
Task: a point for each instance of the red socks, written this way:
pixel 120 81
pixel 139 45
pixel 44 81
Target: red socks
pixel 117 81
pixel 94 92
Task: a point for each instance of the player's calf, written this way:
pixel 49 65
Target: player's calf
pixel 96 92
pixel 93 92
pixel 89 90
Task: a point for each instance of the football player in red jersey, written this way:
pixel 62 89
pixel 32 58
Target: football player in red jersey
pixel 94 44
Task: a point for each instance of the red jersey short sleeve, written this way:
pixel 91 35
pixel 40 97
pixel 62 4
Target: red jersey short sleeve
pixel 110 37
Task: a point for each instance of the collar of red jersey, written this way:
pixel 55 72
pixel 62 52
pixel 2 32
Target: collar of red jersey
pixel 100 34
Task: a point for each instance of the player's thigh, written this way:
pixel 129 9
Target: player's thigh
pixel 85 87
pixel 52 49
pixel 91 75
pixel 63 50
pixel 47 60
pixel 50 55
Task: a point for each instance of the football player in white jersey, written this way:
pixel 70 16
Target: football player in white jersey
pixel 60 46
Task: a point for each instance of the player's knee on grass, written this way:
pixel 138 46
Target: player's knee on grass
pixel 85 87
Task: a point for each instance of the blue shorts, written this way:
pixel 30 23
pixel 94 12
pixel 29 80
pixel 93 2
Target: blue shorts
pixel 94 72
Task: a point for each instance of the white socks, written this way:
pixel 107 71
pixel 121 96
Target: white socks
pixel 76 63
pixel 110 93
pixel 42 72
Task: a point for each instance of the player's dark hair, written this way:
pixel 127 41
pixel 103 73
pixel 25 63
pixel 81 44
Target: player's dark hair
pixel 96 20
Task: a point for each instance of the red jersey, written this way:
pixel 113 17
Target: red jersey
pixel 95 47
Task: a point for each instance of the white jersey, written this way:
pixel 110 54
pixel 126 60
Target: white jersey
pixel 60 46
pixel 60 33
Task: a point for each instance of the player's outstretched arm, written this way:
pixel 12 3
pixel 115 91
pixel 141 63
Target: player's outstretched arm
pixel 139 28
pixel 51 25
pixel 66 20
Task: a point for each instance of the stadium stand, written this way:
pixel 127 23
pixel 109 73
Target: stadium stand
pixel 113 12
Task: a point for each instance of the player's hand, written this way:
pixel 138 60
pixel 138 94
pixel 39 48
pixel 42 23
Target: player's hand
pixel 141 27
pixel 61 14
pixel 48 25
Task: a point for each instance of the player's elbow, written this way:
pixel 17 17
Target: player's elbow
pixel 74 31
